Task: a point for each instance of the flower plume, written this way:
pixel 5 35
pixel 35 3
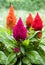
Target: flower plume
pixel 11 19
pixel 37 23
pixel 29 20
pixel 19 32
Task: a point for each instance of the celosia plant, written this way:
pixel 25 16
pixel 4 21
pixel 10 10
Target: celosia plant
pixel 37 25
pixel 19 32
pixel 29 21
pixel 11 19
pixel 18 49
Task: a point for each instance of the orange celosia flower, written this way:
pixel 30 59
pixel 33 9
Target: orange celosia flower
pixel 11 19
pixel 29 20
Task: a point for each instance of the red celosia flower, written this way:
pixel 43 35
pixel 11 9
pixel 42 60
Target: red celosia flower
pixel 16 50
pixel 19 32
pixel 29 20
pixel 11 19
pixel 37 23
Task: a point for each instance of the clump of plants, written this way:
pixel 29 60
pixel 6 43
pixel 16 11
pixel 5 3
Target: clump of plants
pixel 21 44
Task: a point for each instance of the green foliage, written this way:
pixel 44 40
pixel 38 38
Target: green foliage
pixel 3 57
pixel 7 40
pixel 35 57
pixel 7 55
pixel 22 50
pixel 26 60
pixel 24 4
pixel 30 53
pixel 11 59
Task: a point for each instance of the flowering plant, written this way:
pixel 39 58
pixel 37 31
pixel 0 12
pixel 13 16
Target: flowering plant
pixel 24 46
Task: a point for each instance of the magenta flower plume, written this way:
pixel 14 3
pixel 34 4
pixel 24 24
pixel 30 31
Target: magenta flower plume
pixel 19 32
pixel 16 50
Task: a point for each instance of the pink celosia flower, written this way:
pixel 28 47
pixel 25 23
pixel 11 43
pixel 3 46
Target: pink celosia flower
pixel 16 50
pixel 19 32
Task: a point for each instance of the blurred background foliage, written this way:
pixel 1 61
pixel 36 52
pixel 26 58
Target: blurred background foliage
pixel 23 4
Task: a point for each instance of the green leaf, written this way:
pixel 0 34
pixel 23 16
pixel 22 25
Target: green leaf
pixel 26 42
pixel 41 51
pixel 29 64
pixel 34 35
pixel 22 50
pixel 26 60
pixel 35 40
pixel 7 40
pixel 11 59
pixel 42 47
pixel 3 57
pixel 35 57
pixel 9 32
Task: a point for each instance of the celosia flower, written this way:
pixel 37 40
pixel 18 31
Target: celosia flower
pixel 39 35
pixel 19 32
pixel 37 23
pixel 29 20
pixel 16 50
pixel 11 19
